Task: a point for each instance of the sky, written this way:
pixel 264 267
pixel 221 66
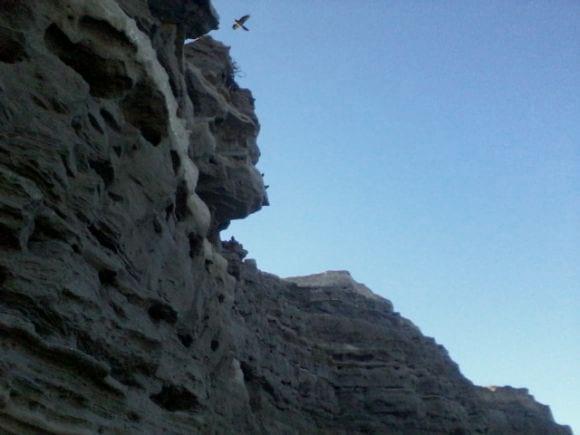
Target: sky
pixel 431 148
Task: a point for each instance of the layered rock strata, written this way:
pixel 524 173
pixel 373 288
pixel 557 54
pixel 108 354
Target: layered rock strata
pixel 323 353
pixel 123 153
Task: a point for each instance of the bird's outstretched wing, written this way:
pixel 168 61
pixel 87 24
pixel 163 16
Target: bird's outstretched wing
pixel 243 19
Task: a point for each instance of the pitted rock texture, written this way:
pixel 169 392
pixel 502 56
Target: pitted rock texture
pixel 123 153
pixel 226 129
pixel 114 304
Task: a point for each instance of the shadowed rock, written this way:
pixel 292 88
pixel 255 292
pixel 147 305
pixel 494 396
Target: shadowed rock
pixel 123 153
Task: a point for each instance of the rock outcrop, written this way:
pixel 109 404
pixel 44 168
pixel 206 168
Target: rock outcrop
pixel 123 154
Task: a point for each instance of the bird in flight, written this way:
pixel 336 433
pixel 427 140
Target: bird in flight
pixel 240 23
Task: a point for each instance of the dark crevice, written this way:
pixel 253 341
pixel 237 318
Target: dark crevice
pixel 46 321
pixel 185 339
pixel 40 102
pixel 115 197
pixel 181 201
pixel 160 311
pixel 195 244
pixel 105 237
pixel 3 276
pixel 157 227
pixel 8 238
pixel 122 369
pixel 175 161
pixel 105 170
pixel 107 277
pixel 67 167
pixel 95 124
pixel 176 398
pixel 248 371
pixel 352 357
pixel 44 229
pixel 110 120
pixel 169 211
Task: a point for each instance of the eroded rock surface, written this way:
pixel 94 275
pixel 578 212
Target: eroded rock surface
pixel 324 352
pixel 123 153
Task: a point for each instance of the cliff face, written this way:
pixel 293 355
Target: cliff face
pixel 123 153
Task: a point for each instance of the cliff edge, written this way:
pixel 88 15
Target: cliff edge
pixel 123 154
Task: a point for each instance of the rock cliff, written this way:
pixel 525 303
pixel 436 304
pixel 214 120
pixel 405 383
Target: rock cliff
pixel 123 153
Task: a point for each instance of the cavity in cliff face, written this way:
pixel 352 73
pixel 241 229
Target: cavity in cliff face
pixel 123 153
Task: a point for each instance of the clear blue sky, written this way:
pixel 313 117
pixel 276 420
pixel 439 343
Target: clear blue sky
pixel 432 148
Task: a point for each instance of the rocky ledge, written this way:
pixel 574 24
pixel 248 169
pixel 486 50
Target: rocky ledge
pixel 123 154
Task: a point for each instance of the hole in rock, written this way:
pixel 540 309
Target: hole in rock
pixel 195 244
pixel 218 121
pixel 181 201
pixel 105 237
pixel 3 275
pixel 8 238
pixel 107 78
pixel 77 125
pixel 248 371
pixel 214 345
pixel 115 197
pixel 44 229
pixel 119 311
pixel 186 339
pixel 95 124
pixel 159 311
pixel 145 109
pixel 176 398
pixel 105 170
pixel 40 102
pixel 157 226
pixel 133 416
pixel 107 277
pixel 110 120
pixel 175 161
pixel 221 299
pixel 58 106
pixel 101 30
pixel 168 211
pixel 67 167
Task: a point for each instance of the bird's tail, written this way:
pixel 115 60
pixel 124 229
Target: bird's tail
pixel 235 26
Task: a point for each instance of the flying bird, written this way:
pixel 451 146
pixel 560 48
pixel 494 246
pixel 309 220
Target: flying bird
pixel 240 23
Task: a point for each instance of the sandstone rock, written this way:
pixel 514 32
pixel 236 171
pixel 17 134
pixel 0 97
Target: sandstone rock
pixel 123 153
pixel 324 352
